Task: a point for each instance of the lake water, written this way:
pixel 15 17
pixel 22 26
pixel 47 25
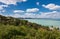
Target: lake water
pixel 46 22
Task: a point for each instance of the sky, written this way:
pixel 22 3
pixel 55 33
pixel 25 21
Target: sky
pixel 30 8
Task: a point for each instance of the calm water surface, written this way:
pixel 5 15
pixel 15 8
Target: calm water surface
pixel 55 23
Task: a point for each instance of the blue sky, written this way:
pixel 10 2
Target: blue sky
pixel 30 8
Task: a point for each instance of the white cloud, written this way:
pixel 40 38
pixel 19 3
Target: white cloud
pixel 18 11
pixel 32 10
pixel 52 6
pixel 26 15
pixel 2 9
pixel 29 15
pixel 4 5
pixel 1 6
pixel 2 12
pixel 15 15
pixel 24 0
pixel 37 3
pixel 12 1
pixel 54 14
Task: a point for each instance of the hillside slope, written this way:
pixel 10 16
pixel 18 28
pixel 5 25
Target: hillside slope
pixel 13 28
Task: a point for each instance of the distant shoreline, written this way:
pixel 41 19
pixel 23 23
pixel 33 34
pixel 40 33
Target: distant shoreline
pixel 42 18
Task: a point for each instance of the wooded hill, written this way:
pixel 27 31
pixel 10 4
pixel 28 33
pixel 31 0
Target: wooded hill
pixel 19 22
pixel 14 28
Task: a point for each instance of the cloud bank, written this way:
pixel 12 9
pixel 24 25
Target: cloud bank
pixel 53 14
pixel 12 1
pixel 32 10
pixel 52 6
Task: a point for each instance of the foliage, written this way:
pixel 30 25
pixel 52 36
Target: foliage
pixel 13 28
